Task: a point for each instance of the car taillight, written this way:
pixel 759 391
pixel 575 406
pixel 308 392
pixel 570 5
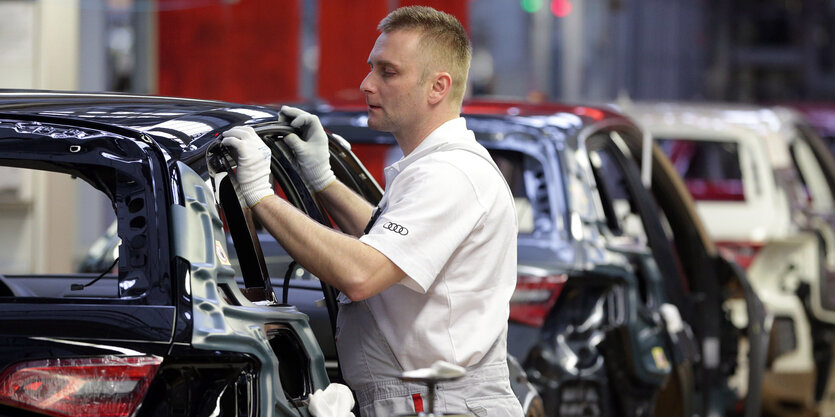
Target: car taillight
pixel 109 386
pixel 534 297
pixel 743 253
pixel 716 190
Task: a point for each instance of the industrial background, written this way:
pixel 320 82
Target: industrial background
pixel 280 51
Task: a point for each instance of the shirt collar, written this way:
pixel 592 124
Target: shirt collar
pixel 452 131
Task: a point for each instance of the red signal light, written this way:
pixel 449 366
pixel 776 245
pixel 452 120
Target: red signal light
pixel 561 8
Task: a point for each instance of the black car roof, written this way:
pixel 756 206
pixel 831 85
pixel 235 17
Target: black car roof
pixel 180 126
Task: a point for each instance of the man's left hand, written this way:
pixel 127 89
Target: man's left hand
pixel 311 150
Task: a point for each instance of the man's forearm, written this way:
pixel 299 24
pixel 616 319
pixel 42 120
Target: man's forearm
pixel 348 209
pixel 342 261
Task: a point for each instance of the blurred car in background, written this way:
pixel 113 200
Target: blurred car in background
pixel 821 117
pixel 763 184
pixel 620 307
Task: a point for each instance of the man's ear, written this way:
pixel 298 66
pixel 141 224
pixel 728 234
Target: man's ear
pixel 441 84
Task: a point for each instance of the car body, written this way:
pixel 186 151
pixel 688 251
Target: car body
pixel 603 317
pixel 763 183
pixel 166 326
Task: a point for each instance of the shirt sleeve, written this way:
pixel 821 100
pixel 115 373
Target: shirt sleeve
pixel 431 209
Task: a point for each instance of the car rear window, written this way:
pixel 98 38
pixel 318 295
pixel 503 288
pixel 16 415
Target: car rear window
pixel 710 169
pixel 36 263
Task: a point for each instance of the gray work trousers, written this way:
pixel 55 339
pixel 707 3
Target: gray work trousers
pixel 370 368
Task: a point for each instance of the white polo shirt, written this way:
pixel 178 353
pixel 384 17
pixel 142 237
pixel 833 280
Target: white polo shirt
pixel 448 221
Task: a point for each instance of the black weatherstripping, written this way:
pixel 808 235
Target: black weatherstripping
pixel 642 203
pixel 251 259
pixel 287 177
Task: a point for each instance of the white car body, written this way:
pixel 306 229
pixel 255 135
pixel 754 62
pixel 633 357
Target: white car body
pixel 781 215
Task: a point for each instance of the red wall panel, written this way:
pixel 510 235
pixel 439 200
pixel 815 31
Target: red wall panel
pixel 248 50
pixel 347 31
pixel 245 51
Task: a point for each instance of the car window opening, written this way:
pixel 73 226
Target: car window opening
pixel 711 169
pixel 618 201
pixel 815 186
pixel 94 272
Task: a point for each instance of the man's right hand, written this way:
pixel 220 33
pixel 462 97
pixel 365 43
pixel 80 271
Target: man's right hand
pixel 252 177
pixel 311 150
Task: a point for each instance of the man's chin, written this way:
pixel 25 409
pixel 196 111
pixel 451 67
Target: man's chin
pixel 377 125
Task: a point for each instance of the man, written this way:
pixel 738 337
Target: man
pixel 429 276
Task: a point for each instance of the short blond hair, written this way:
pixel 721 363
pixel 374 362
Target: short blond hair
pixel 442 39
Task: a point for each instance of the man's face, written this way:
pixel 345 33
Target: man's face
pixel 394 91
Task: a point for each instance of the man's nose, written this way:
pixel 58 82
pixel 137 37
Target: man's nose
pixel 365 85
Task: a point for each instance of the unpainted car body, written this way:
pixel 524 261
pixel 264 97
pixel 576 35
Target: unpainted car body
pixel 763 181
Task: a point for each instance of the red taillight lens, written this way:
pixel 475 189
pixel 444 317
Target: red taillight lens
pixel 110 386
pixel 743 253
pixel 534 297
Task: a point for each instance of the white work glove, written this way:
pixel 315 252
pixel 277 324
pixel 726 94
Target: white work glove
pixel 252 177
pixel 311 151
pixel 335 401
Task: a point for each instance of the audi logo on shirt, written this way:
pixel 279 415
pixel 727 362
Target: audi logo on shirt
pixel 396 228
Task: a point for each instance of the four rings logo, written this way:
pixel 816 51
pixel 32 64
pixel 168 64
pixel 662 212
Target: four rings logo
pixel 396 228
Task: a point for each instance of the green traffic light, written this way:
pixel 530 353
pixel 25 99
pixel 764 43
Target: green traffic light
pixel 531 6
